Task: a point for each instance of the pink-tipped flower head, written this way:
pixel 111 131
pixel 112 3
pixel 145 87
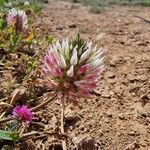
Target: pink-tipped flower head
pixel 72 68
pixel 22 113
pixel 17 19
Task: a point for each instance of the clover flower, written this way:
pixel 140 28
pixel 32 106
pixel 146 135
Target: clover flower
pixel 72 68
pixel 26 3
pixel 17 19
pixel 22 113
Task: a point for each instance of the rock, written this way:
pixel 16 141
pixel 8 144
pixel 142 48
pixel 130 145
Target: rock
pixel 100 36
pixel 122 42
pixel 142 110
pixel 121 116
pixel 100 132
pixel 59 28
pixel 132 146
pixel 52 123
pixel 72 26
pixel 139 78
pixel 132 133
pixel 71 117
pixel 106 120
pixel 143 143
pixel 109 114
pixel 118 134
pixel 113 63
pixel 110 74
pixel 84 142
pixel 142 43
pixel 105 94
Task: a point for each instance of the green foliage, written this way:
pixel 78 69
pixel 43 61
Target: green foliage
pixel 82 30
pixel 76 1
pixel 14 136
pixel 5 135
pixel 3 23
pixel 96 9
pixel 9 39
pixel 130 2
pixel 50 39
pixel 31 64
pixel 44 1
pixel 15 39
pixel 1 2
pixel 108 2
pixel 34 5
pixel 8 135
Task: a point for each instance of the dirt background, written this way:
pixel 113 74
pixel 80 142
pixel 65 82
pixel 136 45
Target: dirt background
pixel 118 116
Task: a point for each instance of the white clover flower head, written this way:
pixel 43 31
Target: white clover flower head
pixel 72 68
pixel 26 3
pixel 17 19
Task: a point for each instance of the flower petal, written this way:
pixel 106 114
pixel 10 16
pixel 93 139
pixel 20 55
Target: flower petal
pixel 74 58
pixel 70 72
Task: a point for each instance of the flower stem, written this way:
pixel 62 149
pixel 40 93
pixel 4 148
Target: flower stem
pixel 62 126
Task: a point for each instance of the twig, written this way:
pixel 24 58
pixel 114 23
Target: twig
pixel 62 126
pixel 39 124
pixel 2 99
pixel 2 115
pixel 29 134
pixel 36 108
pixel 2 64
pixel 2 59
pixel 60 135
pixel 22 129
pixel 142 96
pixel 145 20
pixel 3 120
pixel 5 104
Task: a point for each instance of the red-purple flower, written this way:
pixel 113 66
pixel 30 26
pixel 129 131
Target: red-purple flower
pixel 22 113
pixel 73 68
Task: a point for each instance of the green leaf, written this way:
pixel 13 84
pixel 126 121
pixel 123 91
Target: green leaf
pixel 3 23
pixel 14 136
pixel 5 135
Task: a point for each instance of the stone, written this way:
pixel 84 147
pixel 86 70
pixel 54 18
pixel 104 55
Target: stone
pixel 132 133
pixel 59 28
pixel 72 26
pixel 106 120
pixel 105 94
pixel 142 110
pixel 121 116
pixel 132 146
pixel 100 36
pixel 84 142
pixel 110 74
